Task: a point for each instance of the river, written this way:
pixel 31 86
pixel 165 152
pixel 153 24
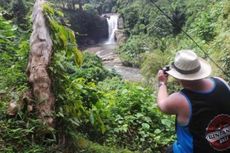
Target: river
pixel 107 53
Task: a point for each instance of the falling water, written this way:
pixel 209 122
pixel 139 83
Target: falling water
pixel 112 22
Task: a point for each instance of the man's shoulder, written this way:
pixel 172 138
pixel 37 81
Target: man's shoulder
pixel 179 97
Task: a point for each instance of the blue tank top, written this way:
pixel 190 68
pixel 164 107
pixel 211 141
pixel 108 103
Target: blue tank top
pixel 184 140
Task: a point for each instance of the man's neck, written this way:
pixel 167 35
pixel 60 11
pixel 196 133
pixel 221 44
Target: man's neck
pixel 197 85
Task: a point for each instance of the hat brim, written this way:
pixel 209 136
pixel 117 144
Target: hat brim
pixel 204 72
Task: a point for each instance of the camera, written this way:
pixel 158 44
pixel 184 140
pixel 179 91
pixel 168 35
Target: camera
pixel 165 69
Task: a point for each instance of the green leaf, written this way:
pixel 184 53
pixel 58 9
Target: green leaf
pixel 166 122
pixel 78 57
pixel 125 91
pixel 157 131
pixel 63 36
pixel 145 126
pixel 91 117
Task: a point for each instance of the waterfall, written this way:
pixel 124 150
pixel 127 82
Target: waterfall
pixel 112 23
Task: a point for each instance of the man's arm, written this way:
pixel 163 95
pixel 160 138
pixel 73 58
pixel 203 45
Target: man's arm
pixel 162 90
pixel 170 104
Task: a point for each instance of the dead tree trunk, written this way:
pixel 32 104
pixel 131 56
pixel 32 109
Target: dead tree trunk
pixel 37 69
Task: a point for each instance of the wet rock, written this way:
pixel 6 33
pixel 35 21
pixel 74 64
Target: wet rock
pixel 112 62
pixel 120 22
pixel 91 42
pixel 105 16
pixel 120 36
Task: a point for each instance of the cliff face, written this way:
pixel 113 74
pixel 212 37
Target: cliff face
pixel 90 28
pixel 120 34
pixel 99 30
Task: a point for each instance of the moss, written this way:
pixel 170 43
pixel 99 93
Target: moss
pixel 86 146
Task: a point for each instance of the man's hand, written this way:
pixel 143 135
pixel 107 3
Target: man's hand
pixel 162 77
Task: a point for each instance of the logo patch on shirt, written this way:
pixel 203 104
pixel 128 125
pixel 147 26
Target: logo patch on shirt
pixel 218 132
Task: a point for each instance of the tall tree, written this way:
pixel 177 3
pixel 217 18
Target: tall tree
pixel 39 60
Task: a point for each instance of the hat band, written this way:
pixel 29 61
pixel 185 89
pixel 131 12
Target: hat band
pixel 186 71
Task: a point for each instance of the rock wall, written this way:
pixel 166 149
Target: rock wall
pixel 120 34
pixel 90 28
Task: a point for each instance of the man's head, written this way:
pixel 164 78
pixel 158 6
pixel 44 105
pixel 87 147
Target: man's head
pixel 189 67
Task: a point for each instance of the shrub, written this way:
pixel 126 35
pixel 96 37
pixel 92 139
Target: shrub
pixel 92 69
pixel 131 51
pixel 152 63
pixel 135 122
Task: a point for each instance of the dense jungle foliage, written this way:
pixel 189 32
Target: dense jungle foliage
pixel 97 111
pixel 154 38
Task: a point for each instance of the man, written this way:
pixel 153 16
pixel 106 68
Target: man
pixel 202 107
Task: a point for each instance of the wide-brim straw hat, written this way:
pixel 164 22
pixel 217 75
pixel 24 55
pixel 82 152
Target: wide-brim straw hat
pixel 188 66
